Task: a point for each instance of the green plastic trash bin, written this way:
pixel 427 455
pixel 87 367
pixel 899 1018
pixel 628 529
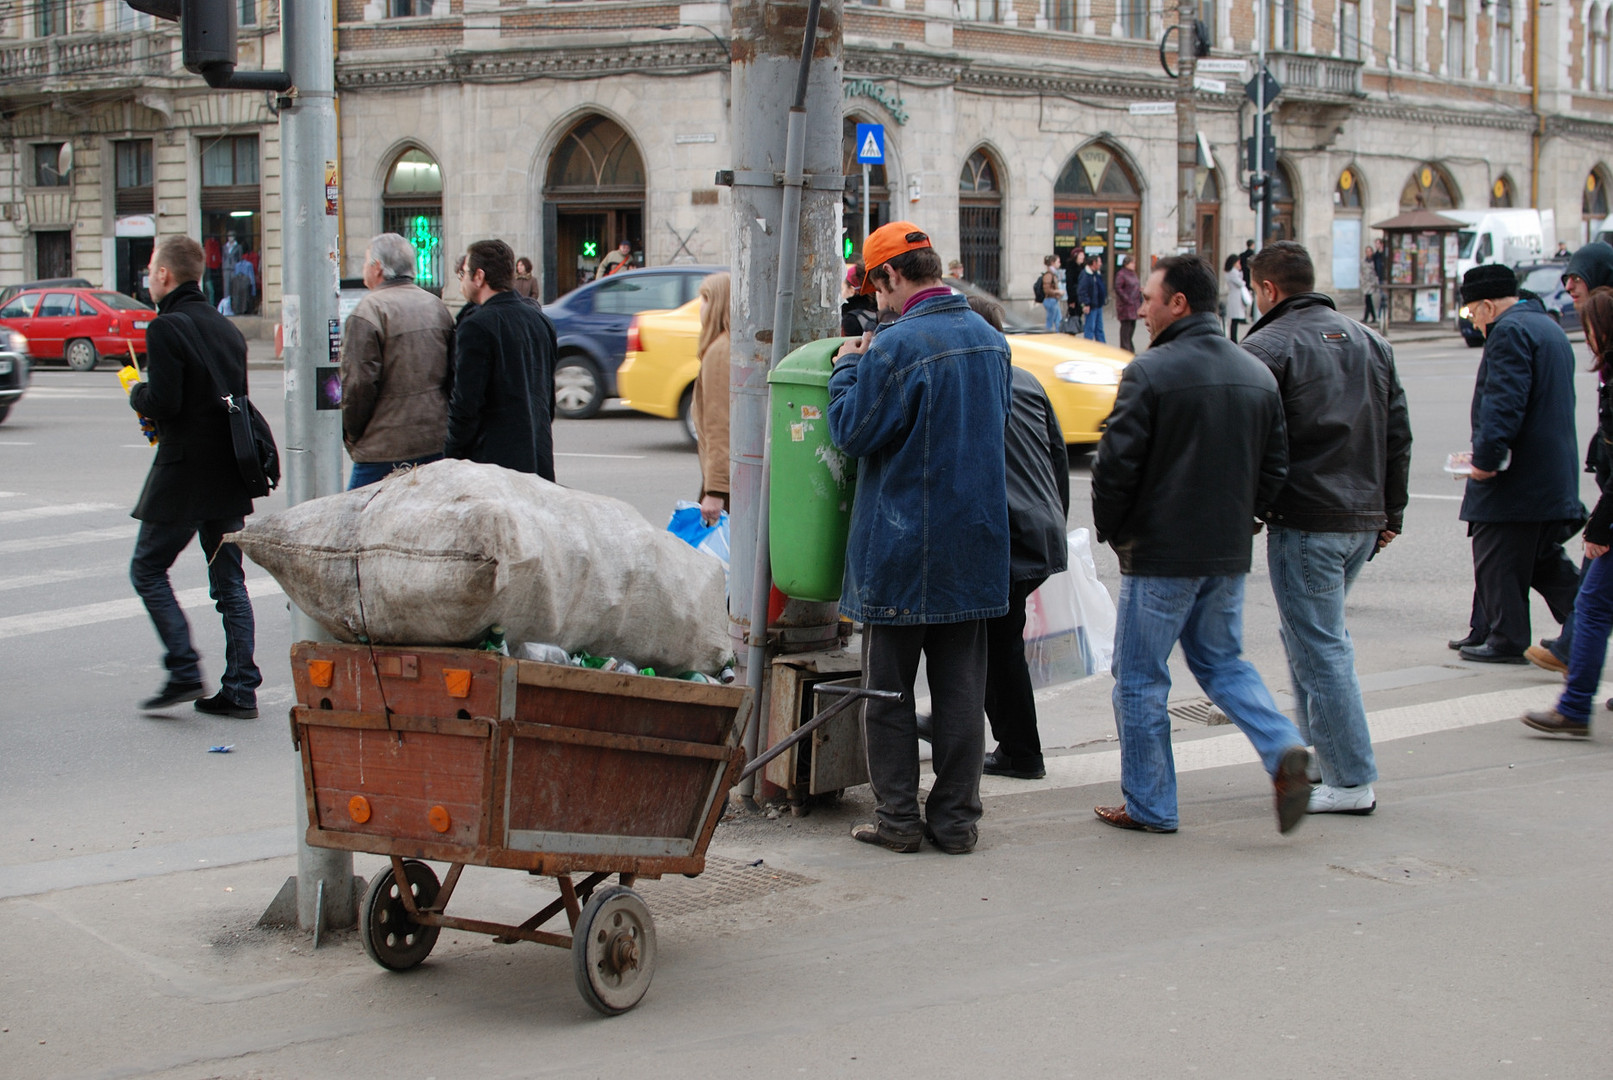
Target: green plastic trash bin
pixel 812 481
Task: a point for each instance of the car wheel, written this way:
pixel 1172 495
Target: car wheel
pixel 686 416
pixel 81 355
pixel 1474 342
pixel 578 388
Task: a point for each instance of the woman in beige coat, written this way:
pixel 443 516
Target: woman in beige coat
pixel 710 406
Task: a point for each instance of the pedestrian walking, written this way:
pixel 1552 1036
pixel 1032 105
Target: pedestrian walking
pixel 1195 448
pixel 1593 605
pixel 1128 301
pixel 231 256
pixel 1052 291
pixel 501 410
pixel 1522 500
pixel 194 488
pixel 923 405
pixel 1093 294
pixel 1349 458
pixel 1369 286
pixel 396 352
pixel 525 284
pixel 618 260
pixel 1238 299
pixel 1244 256
pixel 1591 267
pixel 710 405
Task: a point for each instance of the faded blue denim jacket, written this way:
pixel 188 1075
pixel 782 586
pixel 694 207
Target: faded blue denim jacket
pixel 924 409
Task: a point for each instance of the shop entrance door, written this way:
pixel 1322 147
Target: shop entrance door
pixel 133 257
pixel 585 235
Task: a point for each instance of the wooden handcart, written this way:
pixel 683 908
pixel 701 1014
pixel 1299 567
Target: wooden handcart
pixel 475 759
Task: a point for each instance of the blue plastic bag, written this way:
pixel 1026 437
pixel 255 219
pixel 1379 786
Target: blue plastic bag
pixel 686 525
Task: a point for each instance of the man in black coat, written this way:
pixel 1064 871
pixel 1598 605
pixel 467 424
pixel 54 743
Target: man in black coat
pixel 502 407
pixel 1522 499
pixel 1194 450
pixel 194 487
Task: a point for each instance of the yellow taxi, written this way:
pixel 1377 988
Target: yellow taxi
pixel 1080 376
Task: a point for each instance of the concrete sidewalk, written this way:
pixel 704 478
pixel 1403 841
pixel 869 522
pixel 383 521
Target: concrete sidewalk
pixel 1061 947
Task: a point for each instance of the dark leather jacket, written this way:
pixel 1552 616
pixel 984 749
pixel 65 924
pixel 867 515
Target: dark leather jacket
pixel 1038 476
pixel 1194 449
pixel 1349 433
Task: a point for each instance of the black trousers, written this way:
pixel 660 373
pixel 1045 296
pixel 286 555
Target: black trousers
pixel 955 660
pixel 1509 559
pixel 1128 328
pixel 1010 701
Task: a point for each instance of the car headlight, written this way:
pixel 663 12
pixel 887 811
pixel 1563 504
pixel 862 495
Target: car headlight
pixel 1088 372
pixel 1465 313
pixel 5 365
pixel 18 343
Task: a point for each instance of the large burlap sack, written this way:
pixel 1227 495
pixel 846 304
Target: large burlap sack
pixel 435 555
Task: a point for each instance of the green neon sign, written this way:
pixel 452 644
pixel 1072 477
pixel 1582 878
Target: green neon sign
pixel 425 241
pixel 850 249
pixel 590 249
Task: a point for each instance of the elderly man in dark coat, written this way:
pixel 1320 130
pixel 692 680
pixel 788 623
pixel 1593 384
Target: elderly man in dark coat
pixel 502 406
pixel 194 487
pixel 1522 500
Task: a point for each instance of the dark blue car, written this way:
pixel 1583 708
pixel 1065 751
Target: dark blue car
pixel 591 324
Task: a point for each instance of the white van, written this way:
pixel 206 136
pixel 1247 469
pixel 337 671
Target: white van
pixel 1508 237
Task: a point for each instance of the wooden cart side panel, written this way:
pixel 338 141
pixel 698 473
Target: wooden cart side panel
pixel 561 788
pixel 403 776
pixel 591 711
pixel 534 862
pixel 559 676
pixel 354 684
pixel 402 679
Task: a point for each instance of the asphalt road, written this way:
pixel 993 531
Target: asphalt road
pixel 1454 933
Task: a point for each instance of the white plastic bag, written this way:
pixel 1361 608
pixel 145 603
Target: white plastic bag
pixel 1070 621
pixel 435 555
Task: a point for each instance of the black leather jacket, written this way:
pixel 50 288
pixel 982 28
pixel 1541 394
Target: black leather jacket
pixel 1349 433
pixel 1194 449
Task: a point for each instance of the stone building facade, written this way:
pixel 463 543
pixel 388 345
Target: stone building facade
pixel 1014 128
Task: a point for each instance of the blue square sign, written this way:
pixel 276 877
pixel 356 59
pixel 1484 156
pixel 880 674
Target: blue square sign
pixel 870 144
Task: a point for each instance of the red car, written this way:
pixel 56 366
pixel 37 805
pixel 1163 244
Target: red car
pixel 79 325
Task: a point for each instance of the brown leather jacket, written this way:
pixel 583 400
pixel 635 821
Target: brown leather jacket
pixel 710 409
pixel 395 374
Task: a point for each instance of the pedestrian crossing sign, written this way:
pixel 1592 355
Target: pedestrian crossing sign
pixel 870 144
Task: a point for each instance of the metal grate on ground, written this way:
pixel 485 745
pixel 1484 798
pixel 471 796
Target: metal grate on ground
pixel 725 881
pixel 1198 711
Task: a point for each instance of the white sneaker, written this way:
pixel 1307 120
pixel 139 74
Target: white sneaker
pixel 1342 800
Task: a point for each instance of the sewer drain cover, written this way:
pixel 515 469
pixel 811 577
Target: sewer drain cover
pixel 725 881
pixel 1198 711
pixel 1406 870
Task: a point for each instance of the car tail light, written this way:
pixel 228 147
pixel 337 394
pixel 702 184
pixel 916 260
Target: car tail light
pixel 632 336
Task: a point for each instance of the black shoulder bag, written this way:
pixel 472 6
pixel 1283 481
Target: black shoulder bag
pixel 257 458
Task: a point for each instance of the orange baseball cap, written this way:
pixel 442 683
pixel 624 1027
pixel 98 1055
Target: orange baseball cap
pixel 887 242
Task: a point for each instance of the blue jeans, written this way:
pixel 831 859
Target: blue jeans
pixel 366 473
pixel 1593 621
pixel 1051 306
pixel 1311 574
pixel 155 550
pixel 1092 329
pixel 1563 647
pixel 1206 616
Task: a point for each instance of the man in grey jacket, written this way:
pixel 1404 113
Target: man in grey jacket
pixel 395 367
pixel 1349 456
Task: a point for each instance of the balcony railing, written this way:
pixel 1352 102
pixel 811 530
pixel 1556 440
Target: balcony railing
pixel 1316 74
pixel 129 54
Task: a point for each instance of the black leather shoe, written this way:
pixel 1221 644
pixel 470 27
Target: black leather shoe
pixel 219 705
pixel 1468 642
pixel 926 727
pixel 998 764
pixel 171 695
pixel 1484 654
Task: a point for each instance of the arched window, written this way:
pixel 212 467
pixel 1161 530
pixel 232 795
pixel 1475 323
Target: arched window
pixel 1429 188
pixel 1209 216
pixel 593 201
pixel 1097 202
pixel 980 213
pixel 1281 225
pixel 411 206
pixel 1594 206
pixel 1502 193
pixel 879 196
pixel 1348 241
pixel 1347 194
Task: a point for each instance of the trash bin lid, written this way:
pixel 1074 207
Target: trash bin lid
pixel 809 365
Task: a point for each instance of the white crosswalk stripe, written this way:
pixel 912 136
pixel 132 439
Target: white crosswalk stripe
pixel 72 539
pixel 34 513
pixel 55 577
pixel 42 622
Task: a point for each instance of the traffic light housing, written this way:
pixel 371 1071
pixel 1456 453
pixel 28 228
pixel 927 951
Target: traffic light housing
pixel 207 42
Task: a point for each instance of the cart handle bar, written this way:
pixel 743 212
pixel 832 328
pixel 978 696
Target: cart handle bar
pixel 848 697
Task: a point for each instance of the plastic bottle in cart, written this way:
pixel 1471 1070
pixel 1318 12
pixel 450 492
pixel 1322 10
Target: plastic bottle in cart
pixel 547 654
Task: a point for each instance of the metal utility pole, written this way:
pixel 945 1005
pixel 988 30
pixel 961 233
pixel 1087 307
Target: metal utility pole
pixel 1259 164
pixel 787 200
pixel 308 312
pixel 1187 136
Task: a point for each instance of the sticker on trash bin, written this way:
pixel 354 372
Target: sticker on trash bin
pixel 811 412
pixel 798 433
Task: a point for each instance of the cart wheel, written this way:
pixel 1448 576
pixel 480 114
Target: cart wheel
pixel 613 950
pixel 391 937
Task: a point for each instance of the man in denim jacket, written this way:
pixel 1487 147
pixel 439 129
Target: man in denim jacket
pixel 924 406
